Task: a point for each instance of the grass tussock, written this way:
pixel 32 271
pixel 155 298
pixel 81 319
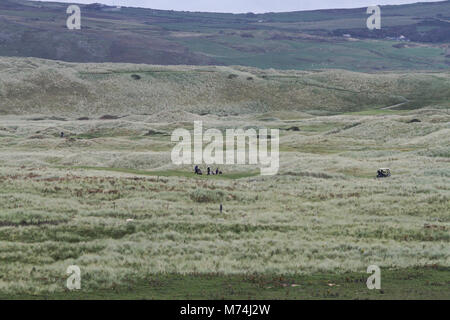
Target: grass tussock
pixel 201 195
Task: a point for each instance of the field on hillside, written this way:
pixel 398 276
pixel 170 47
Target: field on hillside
pixel 303 40
pixel 309 232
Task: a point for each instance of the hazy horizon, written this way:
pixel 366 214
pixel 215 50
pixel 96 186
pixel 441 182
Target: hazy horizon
pixel 237 6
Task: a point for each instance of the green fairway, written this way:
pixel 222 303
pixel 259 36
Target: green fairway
pixel 375 112
pixel 170 173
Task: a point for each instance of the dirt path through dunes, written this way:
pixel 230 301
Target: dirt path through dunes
pixel 395 106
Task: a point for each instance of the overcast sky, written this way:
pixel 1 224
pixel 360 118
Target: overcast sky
pixel 238 6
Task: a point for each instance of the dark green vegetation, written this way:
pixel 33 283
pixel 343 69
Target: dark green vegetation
pixel 414 283
pixel 295 40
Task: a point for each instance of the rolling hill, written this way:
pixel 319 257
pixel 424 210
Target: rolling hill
pixel 36 86
pixel 303 40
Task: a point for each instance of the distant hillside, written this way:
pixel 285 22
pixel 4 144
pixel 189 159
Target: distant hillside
pixel 296 40
pixel 34 86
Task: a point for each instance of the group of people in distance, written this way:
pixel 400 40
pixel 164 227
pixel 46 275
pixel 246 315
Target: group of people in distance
pixel 210 172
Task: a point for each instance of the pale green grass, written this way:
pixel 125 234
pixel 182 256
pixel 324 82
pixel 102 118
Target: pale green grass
pixel 182 93
pixel 65 202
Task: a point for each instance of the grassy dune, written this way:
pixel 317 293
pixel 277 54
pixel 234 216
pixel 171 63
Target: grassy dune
pixel 182 93
pixel 324 217
pixel 107 197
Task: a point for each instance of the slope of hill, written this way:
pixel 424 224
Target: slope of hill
pixel 29 85
pixel 294 40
